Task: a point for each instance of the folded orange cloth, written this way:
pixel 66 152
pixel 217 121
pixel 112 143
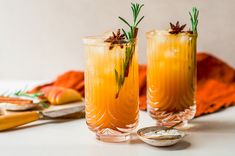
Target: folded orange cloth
pixel 215 84
pixel 70 79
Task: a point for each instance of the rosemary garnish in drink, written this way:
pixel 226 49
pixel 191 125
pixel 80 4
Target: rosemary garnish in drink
pixel 130 46
pixel 194 18
pixel 176 29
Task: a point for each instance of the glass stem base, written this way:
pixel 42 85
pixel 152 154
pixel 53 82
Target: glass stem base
pixel 110 135
pixel 168 119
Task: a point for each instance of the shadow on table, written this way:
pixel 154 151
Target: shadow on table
pixel 135 139
pixel 179 146
pixel 213 126
pixel 182 145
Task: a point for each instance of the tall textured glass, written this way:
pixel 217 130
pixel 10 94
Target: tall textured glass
pixel 111 110
pixel 171 76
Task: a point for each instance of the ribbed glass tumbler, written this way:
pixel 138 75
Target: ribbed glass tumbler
pixel 111 89
pixel 171 76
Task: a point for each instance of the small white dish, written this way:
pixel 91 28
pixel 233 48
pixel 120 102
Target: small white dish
pixel 160 136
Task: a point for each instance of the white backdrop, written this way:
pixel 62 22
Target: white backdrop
pixel 40 39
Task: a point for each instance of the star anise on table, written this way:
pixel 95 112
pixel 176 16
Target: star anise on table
pixel 175 29
pixel 117 38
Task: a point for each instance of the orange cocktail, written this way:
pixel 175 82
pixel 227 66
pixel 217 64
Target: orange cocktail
pixel 171 76
pixel 111 108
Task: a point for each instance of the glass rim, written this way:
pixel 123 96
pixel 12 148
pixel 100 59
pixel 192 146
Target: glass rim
pixel 98 41
pixel 156 32
pixel 94 40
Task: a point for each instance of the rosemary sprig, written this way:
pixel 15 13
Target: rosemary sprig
pixel 194 18
pixel 25 94
pixel 130 48
pixel 35 96
pixel 132 33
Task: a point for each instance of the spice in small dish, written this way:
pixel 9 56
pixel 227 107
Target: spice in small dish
pixel 160 136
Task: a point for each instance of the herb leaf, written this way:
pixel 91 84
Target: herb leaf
pixel 124 21
pixel 23 93
pixel 124 32
pixel 194 18
pixel 136 8
pixel 35 96
pixel 139 20
pixel 130 47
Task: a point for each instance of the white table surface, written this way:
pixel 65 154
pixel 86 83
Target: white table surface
pixel 209 135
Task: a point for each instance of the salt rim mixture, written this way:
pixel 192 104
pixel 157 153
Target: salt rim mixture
pixel 169 132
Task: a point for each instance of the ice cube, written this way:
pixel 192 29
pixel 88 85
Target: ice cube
pixel 161 37
pixel 184 38
pixel 101 49
pixel 109 69
pixel 171 53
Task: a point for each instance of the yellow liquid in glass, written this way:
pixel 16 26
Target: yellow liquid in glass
pixel 171 76
pixel 106 114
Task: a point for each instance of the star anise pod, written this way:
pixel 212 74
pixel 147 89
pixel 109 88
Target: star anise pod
pixel 190 31
pixel 175 29
pixel 117 38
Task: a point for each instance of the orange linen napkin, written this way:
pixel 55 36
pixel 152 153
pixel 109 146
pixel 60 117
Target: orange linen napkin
pixel 70 79
pixel 215 84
